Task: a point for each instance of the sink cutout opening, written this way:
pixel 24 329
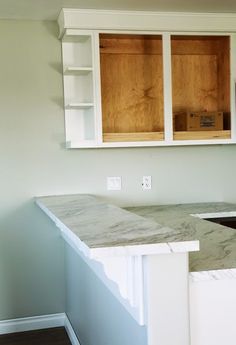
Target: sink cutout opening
pixel 226 221
pixel 225 218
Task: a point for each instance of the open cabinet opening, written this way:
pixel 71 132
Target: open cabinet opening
pixel 131 87
pixel 201 87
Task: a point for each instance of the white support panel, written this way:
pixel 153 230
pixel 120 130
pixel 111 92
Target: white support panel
pixel 213 312
pixel 233 84
pixel 167 299
pixel 97 89
pixel 168 118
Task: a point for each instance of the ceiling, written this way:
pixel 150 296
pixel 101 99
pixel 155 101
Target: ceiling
pixel 49 9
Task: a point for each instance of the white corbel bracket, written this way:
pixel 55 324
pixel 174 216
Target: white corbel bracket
pixel 121 274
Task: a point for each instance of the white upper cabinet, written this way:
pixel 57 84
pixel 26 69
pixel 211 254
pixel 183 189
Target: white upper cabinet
pixel 148 79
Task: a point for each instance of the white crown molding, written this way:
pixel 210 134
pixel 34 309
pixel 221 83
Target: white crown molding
pixel 148 21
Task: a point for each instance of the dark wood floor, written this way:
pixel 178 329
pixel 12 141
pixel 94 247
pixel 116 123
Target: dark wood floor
pixel 52 336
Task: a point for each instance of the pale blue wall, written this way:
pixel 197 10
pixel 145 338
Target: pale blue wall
pixel 31 122
pixel 96 316
pixel 34 161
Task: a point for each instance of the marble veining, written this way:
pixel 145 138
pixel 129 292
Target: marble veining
pixel 109 230
pixel 221 274
pixel 217 242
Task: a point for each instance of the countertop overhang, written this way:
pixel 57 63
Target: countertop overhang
pixel 102 229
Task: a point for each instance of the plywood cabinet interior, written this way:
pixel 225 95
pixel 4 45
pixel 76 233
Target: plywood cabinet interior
pixel 201 80
pixel 131 68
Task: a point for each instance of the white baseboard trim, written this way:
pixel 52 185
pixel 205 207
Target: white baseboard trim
pixel 71 333
pixel 32 323
pixel 39 322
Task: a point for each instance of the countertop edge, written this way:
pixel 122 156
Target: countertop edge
pixel 129 250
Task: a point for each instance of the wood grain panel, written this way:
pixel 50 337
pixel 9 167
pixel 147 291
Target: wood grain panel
pixel 122 137
pixel 224 76
pixel 201 75
pixel 194 83
pixel 197 45
pixel 132 93
pixel 130 44
pixel 201 135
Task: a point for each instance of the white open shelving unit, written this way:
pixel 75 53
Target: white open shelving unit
pixel 81 32
pixel 77 50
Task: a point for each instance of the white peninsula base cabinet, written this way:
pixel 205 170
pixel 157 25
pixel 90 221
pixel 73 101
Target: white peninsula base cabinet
pixel 213 311
pixel 145 266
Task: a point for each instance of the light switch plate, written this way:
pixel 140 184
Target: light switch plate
pixel 114 183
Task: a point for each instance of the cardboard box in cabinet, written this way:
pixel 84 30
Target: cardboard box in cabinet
pixel 198 121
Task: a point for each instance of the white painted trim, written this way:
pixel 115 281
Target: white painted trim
pixel 161 143
pixel 144 20
pixel 39 322
pixel 32 323
pixel 70 332
pixel 167 87
pixel 215 215
pixel 232 84
pixel 97 89
pixel 167 299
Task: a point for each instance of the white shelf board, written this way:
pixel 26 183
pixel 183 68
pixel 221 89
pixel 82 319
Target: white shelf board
pixel 81 144
pixel 94 144
pixel 73 35
pixel 77 70
pixel 79 105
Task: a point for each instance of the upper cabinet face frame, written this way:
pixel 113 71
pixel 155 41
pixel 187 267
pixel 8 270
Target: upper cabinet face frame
pixel 145 68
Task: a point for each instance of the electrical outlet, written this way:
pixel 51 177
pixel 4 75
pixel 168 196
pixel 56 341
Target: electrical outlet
pixel 114 183
pixel 147 182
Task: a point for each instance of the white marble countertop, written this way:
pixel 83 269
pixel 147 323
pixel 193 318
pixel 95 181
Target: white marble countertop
pixel 105 229
pixel 217 242
pixel 101 229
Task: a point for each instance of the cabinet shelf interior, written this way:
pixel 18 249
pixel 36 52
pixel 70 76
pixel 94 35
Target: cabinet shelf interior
pixel 201 78
pixel 131 85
